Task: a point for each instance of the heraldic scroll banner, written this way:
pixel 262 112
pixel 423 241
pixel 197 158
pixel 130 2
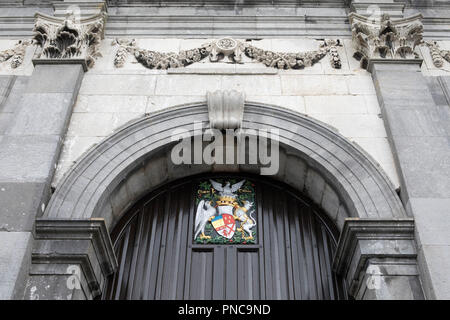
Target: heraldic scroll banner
pixel 225 212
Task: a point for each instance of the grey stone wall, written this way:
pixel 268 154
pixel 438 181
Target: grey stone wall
pixel 412 112
pixel 416 113
pixel 37 110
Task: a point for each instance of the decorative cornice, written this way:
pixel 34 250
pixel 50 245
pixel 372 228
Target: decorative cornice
pixel 394 9
pixel 437 54
pixel 229 48
pixel 16 54
pixel 68 38
pixel 80 8
pixel 385 38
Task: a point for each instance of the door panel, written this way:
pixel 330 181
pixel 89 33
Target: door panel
pixel 158 258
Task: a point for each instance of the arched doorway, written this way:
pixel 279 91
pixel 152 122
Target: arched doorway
pixel 314 160
pixel 287 254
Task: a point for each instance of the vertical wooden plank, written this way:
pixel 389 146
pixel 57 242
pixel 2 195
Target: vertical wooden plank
pixel 189 239
pixel 219 273
pixel 327 273
pixel 150 266
pixel 182 241
pixel 171 247
pixel 242 276
pixel 162 253
pixel 305 231
pixel 261 260
pixel 296 250
pixel 134 257
pixel 275 247
pixel 278 213
pixel 159 252
pixel 269 276
pixel 230 272
pixel 288 247
pixel 142 253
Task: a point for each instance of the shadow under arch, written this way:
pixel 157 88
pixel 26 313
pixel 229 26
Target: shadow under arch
pixel 314 159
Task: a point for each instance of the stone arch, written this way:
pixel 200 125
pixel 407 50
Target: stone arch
pixel 315 159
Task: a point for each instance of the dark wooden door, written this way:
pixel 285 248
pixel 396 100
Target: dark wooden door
pixel 159 259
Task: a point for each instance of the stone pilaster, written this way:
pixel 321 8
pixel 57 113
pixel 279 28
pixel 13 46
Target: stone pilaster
pixel 29 150
pixel 418 135
pixel 377 259
pixel 32 140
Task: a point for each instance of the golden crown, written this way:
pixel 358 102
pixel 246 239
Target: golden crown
pixel 226 201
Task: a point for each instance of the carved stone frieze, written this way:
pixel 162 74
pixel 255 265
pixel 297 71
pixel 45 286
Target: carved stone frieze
pixel 16 54
pixel 69 38
pixel 229 48
pixel 282 60
pixel 385 38
pixel 437 54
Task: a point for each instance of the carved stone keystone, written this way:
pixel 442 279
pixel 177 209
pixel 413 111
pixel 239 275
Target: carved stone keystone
pixel 68 40
pixel 385 38
pixel 226 109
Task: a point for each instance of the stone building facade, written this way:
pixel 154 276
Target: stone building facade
pixel 91 92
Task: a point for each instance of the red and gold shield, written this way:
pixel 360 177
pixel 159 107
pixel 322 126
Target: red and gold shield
pixel 225 225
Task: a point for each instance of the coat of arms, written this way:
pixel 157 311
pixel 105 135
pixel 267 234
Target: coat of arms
pixel 225 212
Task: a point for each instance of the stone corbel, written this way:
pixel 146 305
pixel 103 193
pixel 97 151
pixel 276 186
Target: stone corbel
pixel 225 109
pixel 70 245
pixel 69 39
pixel 377 259
pixel 385 39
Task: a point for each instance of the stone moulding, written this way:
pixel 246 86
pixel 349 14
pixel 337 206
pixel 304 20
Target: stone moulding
pixel 15 54
pixel 385 38
pixel 83 242
pixel 437 54
pixel 229 48
pixel 68 38
pixel 393 238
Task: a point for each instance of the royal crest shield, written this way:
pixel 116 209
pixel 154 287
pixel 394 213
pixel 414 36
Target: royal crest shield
pixel 225 225
pixel 226 212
